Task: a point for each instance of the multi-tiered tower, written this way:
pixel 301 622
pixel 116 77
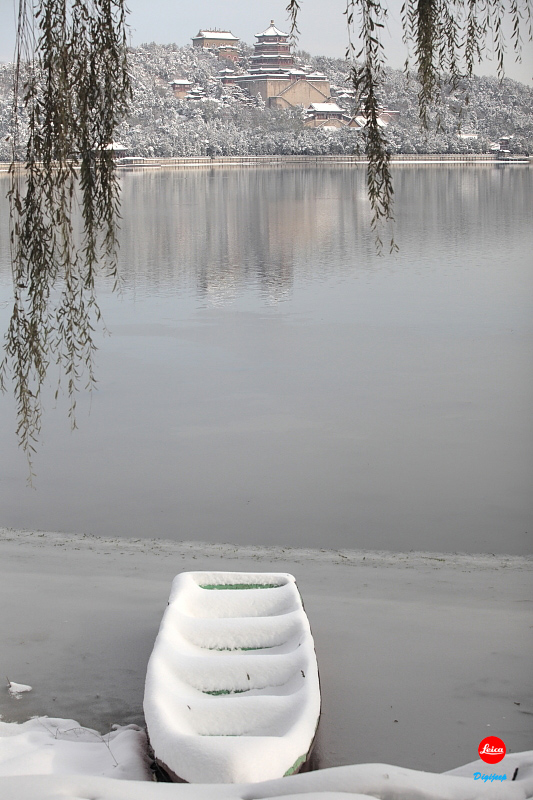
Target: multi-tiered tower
pixel 273 74
pixel 271 51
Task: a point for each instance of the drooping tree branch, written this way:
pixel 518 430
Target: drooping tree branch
pixel 367 73
pixel 71 83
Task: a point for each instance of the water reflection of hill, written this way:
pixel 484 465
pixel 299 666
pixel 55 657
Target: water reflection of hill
pixel 216 232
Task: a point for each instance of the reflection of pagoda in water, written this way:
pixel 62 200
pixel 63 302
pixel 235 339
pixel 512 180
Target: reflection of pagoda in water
pixel 273 75
pixel 218 234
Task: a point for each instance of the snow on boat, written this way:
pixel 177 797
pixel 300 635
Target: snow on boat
pixel 232 691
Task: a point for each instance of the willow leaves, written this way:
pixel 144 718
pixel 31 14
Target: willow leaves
pixel 71 91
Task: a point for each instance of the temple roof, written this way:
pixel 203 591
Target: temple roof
pixel 271 55
pixel 332 108
pixel 271 31
pixel 216 35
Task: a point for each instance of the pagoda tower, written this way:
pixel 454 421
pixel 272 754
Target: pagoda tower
pixel 271 51
pixel 274 76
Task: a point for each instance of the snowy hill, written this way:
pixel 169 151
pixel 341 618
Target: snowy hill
pixel 228 121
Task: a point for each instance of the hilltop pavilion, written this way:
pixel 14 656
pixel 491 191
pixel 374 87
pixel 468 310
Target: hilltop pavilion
pixel 273 74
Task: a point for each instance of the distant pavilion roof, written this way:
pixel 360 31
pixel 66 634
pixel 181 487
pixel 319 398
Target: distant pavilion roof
pixel 216 35
pixel 272 55
pixel 115 146
pixel 266 72
pixel 326 107
pixel 271 31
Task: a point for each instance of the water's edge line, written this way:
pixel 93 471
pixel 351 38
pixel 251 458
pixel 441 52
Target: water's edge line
pixel 344 556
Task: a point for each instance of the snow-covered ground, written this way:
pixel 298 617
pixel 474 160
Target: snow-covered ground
pixel 47 759
pixel 421 656
pixel 48 746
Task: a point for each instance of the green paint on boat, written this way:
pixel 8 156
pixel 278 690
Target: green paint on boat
pixel 296 766
pixel 240 585
pixel 235 649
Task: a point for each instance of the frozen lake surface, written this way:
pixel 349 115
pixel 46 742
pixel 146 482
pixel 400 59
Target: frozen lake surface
pixel 269 380
pixel 421 655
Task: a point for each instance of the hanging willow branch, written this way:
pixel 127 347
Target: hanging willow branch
pixel 72 87
pixel 367 73
pixel 445 38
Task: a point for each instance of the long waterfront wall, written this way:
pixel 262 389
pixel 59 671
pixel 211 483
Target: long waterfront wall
pixel 139 163
pixel 255 161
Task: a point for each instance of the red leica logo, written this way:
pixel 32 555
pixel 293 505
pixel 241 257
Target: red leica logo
pixel 491 750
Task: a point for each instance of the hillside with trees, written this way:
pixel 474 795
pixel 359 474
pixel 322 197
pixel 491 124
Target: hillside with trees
pixel 226 120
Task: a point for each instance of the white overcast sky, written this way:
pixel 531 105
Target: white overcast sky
pixel 322 27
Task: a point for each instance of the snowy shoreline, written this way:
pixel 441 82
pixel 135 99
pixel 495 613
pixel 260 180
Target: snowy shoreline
pixel 421 655
pixel 167 547
pixel 398 159
pixel 356 782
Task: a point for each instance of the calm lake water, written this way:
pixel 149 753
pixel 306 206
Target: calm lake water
pixel 269 379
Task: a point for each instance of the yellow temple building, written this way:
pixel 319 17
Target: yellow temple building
pixel 274 76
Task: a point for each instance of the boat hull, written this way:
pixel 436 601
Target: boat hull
pixel 232 689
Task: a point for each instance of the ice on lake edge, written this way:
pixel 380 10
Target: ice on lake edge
pixel 16 690
pixel 366 779
pixel 274 553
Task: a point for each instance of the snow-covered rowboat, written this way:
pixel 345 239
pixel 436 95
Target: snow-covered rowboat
pixel 232 691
